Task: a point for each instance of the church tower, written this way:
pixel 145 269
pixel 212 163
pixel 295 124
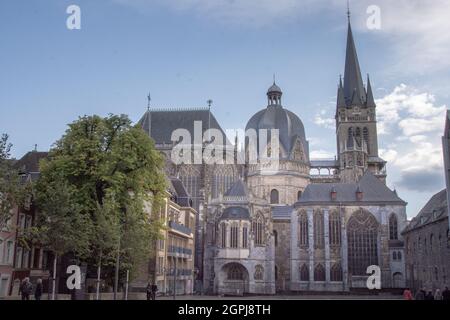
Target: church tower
pixel 356 125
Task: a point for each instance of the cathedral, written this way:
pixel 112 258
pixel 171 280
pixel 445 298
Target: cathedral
pixel 310 225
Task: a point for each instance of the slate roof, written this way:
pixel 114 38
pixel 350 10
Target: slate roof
pixel 374 191
pixel 288 123
pixel 238 189
pixel 235 213
pixel 282 212
pixel 274 88
pixel 29 163
pixel 182 196
pixel 435 209
pixel 160 124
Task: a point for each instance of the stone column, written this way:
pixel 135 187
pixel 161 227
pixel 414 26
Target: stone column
pixel 344 249
pixel 295 250
pixel 326 223
pixel 311 244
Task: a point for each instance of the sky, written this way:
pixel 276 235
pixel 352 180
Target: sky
pixel 185 52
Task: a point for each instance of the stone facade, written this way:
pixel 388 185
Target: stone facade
pixel 248 235
pixel 427 246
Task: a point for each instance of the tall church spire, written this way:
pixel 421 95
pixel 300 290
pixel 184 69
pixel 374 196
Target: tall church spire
pixel 352 77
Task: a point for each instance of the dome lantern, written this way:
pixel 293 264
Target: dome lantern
pixel 274 95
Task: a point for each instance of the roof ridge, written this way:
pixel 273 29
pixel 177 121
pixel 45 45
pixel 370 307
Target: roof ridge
pixel 177 109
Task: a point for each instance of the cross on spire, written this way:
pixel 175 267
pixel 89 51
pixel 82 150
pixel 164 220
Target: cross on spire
pixel 348 10
pixel 149 98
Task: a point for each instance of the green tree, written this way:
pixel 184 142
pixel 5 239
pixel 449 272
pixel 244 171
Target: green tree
pixel 105 171
pixel 10 194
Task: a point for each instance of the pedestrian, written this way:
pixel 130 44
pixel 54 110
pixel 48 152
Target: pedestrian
pixel 407 295
pixel 446 294
pixel 438 295
pixel 420 295
pixel 154 290
pixel 429 295
pixel 149 291
pixel 26 289
pixel 38 290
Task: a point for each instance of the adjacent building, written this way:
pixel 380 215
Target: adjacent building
pixel 171 266
pixel 427 235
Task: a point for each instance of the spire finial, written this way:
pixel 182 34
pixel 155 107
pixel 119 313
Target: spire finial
pixel 274 78
pixel 149 98
pixel 348 10
pixel 209 102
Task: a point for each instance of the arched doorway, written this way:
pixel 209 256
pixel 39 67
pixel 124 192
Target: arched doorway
pixel 233 279
pixel 397 280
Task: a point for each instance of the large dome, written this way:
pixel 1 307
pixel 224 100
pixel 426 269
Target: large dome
pixel 275 116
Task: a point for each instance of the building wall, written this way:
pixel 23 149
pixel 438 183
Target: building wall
pixel 330 255
pixel 7 247
pixel 282 254
pixel 428 264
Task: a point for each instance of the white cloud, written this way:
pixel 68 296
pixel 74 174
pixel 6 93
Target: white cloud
pixel 411 111
pixel 413 121
pixel 321 154
pixel 323 120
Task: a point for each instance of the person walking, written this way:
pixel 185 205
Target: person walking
pixel 446 294
pixel 26 289
pixel 420 295
pixel 38 290
pixel 149 291
pixel 429 296
pixel 407 295
pixel 438 295
pixel 154 290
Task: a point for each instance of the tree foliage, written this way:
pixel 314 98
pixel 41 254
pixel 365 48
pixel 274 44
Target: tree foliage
pixel 10 191
pixel 94 187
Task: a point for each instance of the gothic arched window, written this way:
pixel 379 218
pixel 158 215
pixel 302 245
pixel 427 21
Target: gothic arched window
pixel 366 138
pixel 394 255
pixel 336 272
pixel 274 196
pixel 362 235
pixel 234 235
pixel 319 273
pixel 235 273
pixel 393 227
pixel 304 273
pixel 335 228
pixel 299 195
pixel 258 230
pixel 303 229
pixel 244 237
pixel 318 230
pixel 259 272
pixel 223 235
pixel 358 136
